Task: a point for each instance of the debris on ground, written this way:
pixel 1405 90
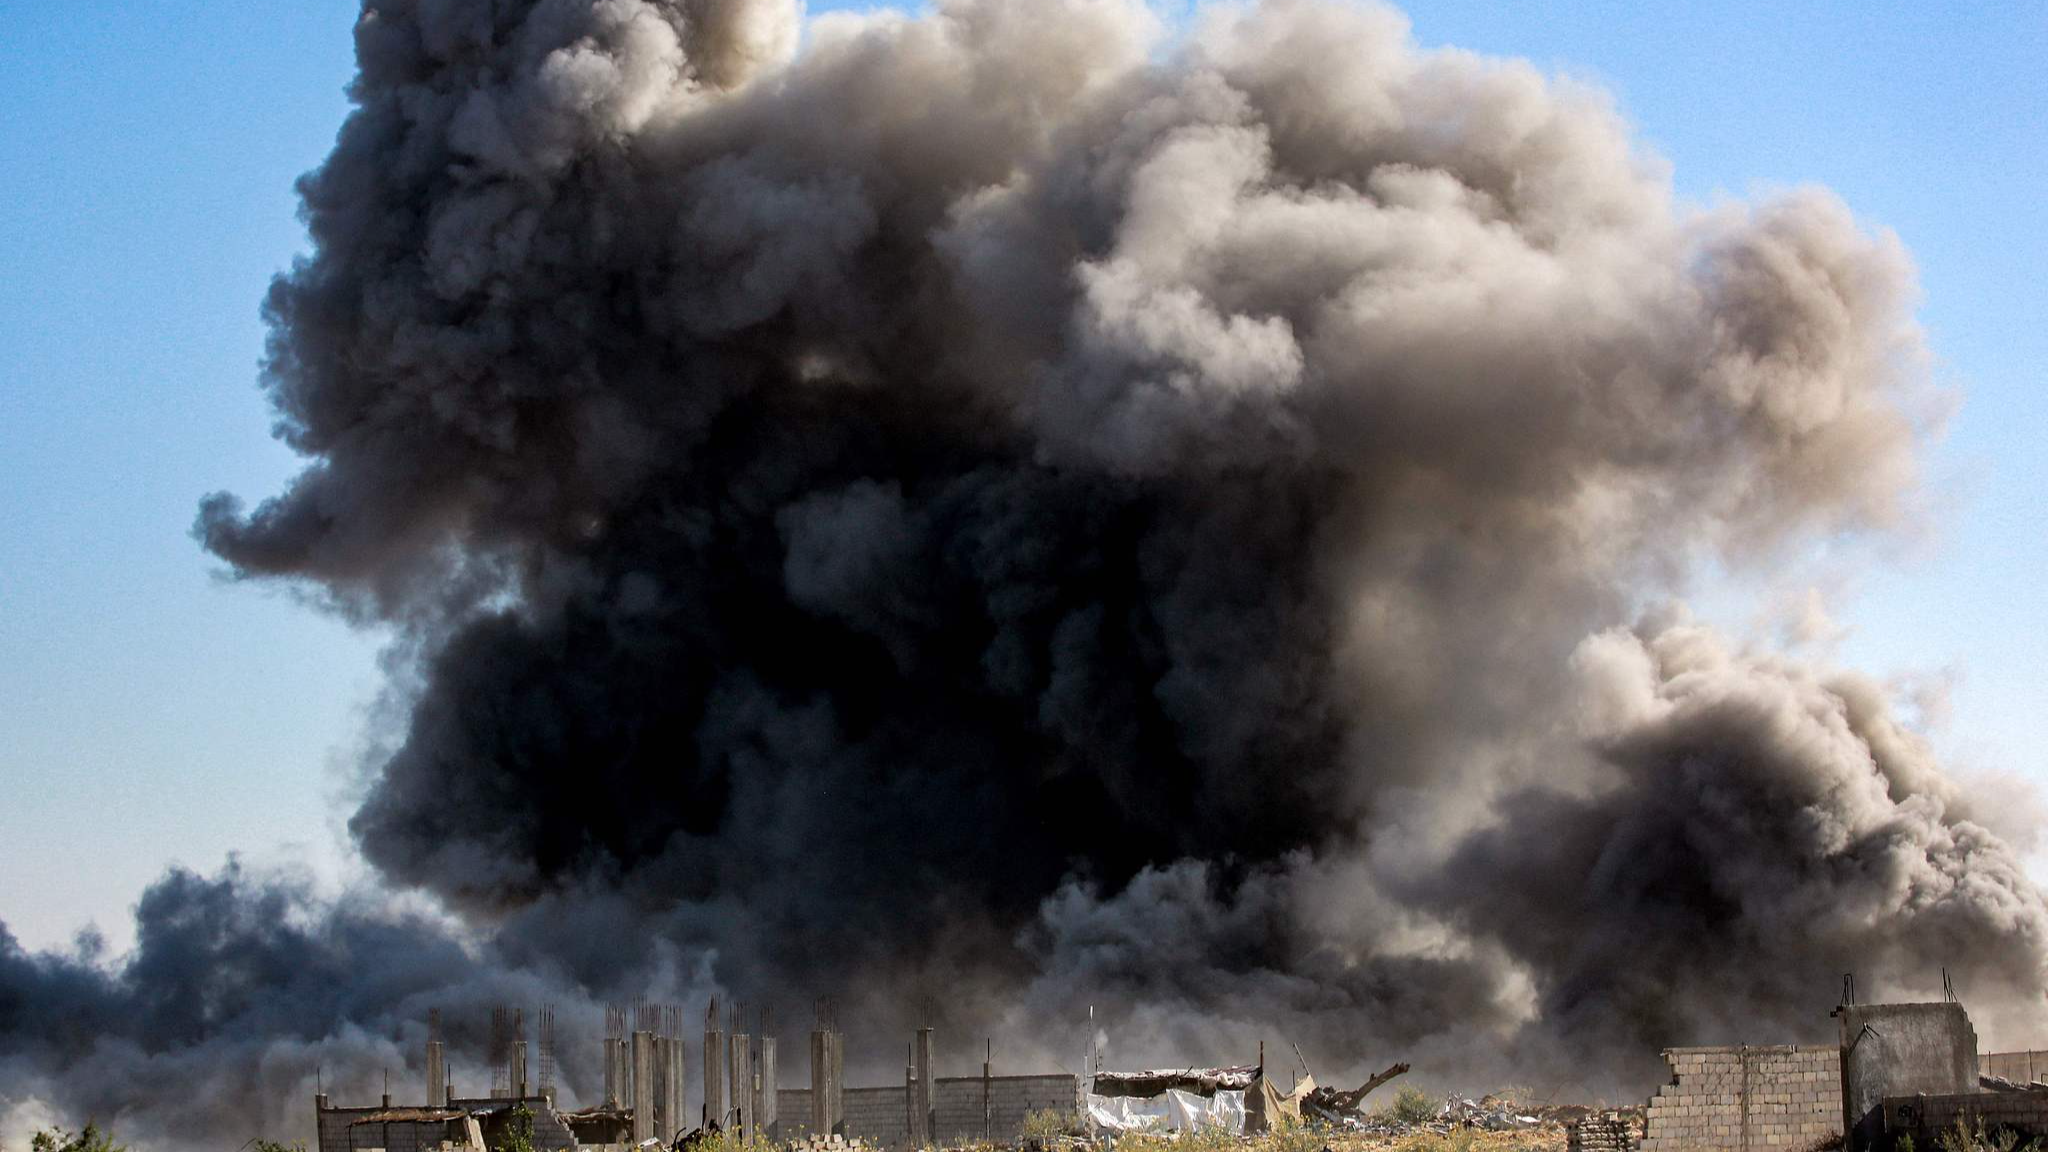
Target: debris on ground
pixel 1489 1112
pixel 2001 1084
pixel 1333 1106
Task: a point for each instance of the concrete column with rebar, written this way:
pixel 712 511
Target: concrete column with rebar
pixel 643 1086
pixel 437 1078
pixel 921 1094
pixel 828 1107
pixel 714 1069
pixel 676 1065
pixel 740 1073
pixel 765 1112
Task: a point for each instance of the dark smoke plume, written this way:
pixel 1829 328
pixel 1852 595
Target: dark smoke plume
pixel 1007 505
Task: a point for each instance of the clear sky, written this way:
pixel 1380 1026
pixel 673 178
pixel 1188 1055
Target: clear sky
pixel 151 714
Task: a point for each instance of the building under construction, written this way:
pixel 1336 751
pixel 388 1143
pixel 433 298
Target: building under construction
pixel 645 1079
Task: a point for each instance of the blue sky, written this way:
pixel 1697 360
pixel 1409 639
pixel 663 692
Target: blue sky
pixel 150 714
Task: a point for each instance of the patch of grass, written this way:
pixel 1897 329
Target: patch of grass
pixel 1295 1136
pixel 1456 1140
pixel 1049 1123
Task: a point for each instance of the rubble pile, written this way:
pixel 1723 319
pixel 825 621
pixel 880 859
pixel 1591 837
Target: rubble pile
pixel 1489 1112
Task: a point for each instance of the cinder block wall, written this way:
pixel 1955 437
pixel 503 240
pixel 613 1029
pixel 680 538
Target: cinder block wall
pixel 1747 1098
pixel 2018 1067
pixel 957 1103
pixel 332 1135
pixel 879 1117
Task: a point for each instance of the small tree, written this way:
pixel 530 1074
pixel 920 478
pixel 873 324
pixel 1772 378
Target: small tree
pixel 517 1134
pixel 91 1139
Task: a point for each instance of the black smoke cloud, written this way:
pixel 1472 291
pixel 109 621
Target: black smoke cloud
pixel 1005 505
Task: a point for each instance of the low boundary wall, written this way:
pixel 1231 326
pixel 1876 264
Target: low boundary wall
pixel 1747 1098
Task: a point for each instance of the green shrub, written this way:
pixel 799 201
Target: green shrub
pixel 1411 1105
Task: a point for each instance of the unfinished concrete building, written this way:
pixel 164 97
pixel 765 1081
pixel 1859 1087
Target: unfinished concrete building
pixel 644 1076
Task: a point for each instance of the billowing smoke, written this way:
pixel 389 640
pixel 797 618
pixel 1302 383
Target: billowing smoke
pixel 1034 508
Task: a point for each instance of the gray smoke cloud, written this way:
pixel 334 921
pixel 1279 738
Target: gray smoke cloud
pixel 1021 505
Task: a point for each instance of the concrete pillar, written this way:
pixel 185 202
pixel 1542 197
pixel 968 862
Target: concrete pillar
pixel 740 1069
pixel 611 1072
pixel 912 1125
pixel 518 1070
pixel 643 1086
pixel 676 1064
pixel 765 1113
pixel 664 1074
pixel 828 1112
pixel 622 1051
pixel 921 1097
pixel 714 1070
pixel 437 1079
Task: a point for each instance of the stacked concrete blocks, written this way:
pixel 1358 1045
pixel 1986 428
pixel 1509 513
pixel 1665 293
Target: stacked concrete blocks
pixel 1603 1132
pixel 827 1144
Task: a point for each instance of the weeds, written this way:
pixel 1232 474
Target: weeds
pixel 1049 1123
pixel 1456 1140
pixel 727 1142
pixel 1962 1137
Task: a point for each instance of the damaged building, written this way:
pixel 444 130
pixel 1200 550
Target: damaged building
pixel 1897 1072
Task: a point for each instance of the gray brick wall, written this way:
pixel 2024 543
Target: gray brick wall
pixel 1747 1098
pixel 879 1116
pixel 793 1112
pixel 332 1135
pixel 957 1104
pixel 2019 1067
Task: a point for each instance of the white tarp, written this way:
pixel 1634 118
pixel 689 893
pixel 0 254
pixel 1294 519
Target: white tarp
pixel 1225 1110
pixel 1172 1111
